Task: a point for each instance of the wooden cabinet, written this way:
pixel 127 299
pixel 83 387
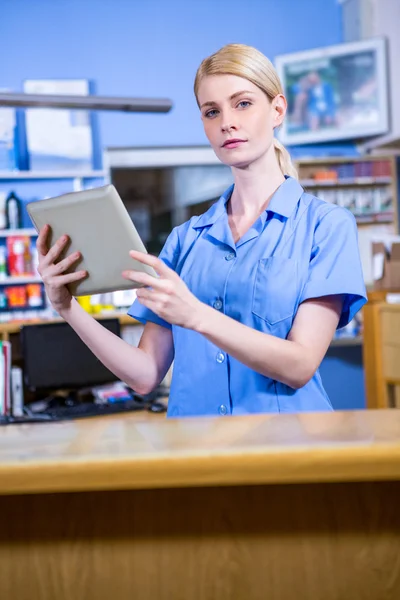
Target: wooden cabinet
pixel 382 352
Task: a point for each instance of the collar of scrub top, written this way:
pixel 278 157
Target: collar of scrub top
pixel 282 203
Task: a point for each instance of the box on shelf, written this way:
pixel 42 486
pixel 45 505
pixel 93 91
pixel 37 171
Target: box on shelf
pixel 386 264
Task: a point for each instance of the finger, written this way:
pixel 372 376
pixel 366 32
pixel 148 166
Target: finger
pixel 153 300
pixel 41 242
pixel 145 294
pixel 158 265
pixel 62 280
pixel 150 304
pixel 55 250
pixel 63 265
pixel 145 279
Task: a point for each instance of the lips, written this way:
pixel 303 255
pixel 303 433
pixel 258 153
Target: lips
pixel 232 142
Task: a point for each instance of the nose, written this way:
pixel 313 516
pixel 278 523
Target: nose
pixel 228 124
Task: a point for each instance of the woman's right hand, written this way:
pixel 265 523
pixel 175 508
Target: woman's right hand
pixel 52 273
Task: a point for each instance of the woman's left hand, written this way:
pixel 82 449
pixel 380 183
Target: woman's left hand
pixel 166 295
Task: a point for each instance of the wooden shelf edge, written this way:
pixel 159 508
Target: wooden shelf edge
pixel 15 326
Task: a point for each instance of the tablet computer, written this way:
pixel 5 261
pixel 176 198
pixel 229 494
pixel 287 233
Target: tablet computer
pixel 99 226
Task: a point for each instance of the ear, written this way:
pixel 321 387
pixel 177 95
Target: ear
pixel 279 108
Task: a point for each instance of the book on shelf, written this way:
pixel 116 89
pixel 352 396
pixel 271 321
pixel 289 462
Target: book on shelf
pixel 11 384
pixel 5 379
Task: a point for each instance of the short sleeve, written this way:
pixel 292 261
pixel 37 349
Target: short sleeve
pixel 335 264
pixel 169 254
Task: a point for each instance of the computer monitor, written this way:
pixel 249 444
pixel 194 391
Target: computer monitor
pixel 55 357
pixel 163 187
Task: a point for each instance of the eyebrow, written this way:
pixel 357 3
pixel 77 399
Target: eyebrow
pixel 212 103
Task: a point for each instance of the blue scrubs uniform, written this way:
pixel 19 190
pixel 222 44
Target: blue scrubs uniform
pixel 299 248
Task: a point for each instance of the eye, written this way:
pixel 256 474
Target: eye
pixel 244 104
pixel 211 113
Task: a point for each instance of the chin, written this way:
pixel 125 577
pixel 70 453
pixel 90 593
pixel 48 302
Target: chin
pixel 239 160
pixel 239 164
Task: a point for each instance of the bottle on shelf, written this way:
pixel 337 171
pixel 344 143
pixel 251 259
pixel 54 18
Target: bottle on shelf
pixel 28 268
pixel 13 211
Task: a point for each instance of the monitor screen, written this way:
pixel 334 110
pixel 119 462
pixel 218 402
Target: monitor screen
pixel 335 93
pixel 55 357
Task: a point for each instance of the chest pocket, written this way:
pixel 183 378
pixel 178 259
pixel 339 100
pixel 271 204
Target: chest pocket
pixel 275 289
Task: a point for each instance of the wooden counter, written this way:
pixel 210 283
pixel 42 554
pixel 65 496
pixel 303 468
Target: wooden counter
pixel 143 451
pixel 273 506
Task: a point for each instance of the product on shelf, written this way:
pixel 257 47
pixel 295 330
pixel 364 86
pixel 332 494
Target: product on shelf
pixel 19 257
pixel 326 174
pixel 21 296
pixel 348 172
pixel 368 202
pixel 3 300
pixel 15 247
pixel 16 296
pixel 367 186
pixel 35 259
pixel 13 211
pixel 381 168
pixel 3 262
pixel 28 268
pixel 34 293
pixel 109 302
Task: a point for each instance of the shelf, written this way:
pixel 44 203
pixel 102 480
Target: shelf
pixel 346 182
pixel 15 280
pixel 356 340
pixel 15 326
pixel 376 218
pixel 334 160
pixel 8 232
pixel 14 175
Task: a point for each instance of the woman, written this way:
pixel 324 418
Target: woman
pixel 250 293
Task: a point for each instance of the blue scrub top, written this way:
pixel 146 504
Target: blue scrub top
pixel 300 247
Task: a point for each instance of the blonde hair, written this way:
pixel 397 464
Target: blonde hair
pixel 249 63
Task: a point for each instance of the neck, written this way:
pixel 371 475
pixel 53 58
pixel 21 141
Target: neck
pixel 254 185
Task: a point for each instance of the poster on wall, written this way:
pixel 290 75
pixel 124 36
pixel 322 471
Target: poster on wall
pixel 59 139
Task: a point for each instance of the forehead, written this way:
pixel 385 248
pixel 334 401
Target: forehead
pixel 217 88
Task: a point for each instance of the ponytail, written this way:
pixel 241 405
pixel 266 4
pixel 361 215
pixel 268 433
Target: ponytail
pixel 284 160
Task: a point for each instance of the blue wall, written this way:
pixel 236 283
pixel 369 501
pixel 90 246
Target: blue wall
pixel 150 48
pixel 153 48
